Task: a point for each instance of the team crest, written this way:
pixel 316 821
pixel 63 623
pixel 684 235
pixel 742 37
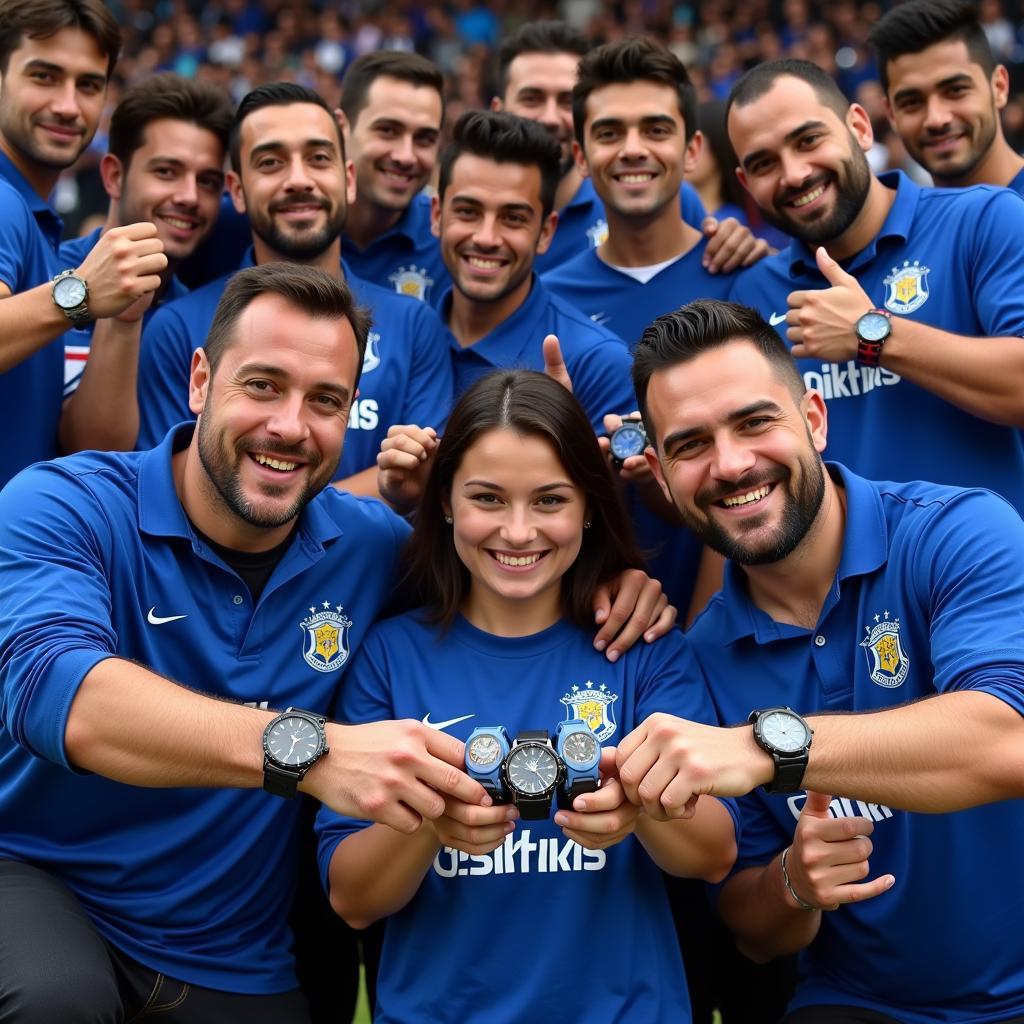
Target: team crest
pixel 592 706
pixel 888 663
pixel 371 357
pixel 908 288
pixel 598 233
pixel 412 281
pixel 325 643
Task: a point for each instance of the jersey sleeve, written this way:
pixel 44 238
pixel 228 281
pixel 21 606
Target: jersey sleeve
pixel 55 603
pixel 165 358
pixel 431 387
pixel 690 206
pixel 996 271
pixel 16 228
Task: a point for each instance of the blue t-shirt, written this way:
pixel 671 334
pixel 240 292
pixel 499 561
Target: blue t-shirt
pixel 949 258
pixel 95 549
pixel 1017 184
pixel 406 258
pixel 597 360
pixel 30 393
pixel 537 908
pixel 927 599
pixel 406 374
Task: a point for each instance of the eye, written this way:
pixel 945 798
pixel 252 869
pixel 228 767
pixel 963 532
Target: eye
pixel 268 163
pixel 551 501
pixel 327 402
pixel 517 220
pixel 757 423
pixel 90 88
pixel 42 76
pixel 687 449
pixel 810 140
pixel 259 387
pixel 212 184
pixel 485 498
pixel 322 157
pixel 164 173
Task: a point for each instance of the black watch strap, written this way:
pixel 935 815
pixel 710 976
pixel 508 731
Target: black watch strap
pixel 278 782
pixel 566 794
pixel 789 773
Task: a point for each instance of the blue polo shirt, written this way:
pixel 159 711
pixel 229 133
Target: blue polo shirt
pixel 598 362
pixel 78 340
pixel 406 258
pixel 406 374
pixel 927 599
pixel 949 258
pixel 582 224
pixel 222 250
pixel 195 883
pixel 1017 185
pixel 30 393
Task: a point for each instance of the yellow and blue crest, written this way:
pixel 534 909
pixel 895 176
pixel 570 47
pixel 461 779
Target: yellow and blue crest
pixel 888 663
pixel 412 281
pixel 325 639
pixel 598 233
pixel 907 288
pixel 371 357
pixel 592 705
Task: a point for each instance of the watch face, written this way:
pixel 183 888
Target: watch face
pixel 532 769
pixel 873 327
pixel 785 732
pixel 293 741
pixel 69 292
pixel 579 748
pixel 484 752
pixel 628 440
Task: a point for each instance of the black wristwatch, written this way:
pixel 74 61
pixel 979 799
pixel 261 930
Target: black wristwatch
pixel 872 330
pixel 787 737
pixel 531 773
pixel 292 743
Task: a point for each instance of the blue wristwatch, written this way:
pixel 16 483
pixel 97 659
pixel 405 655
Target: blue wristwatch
pixel 580 750
pixel 486 750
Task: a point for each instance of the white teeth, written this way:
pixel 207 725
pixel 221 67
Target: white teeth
pixel 176 222
pixel 266 460
pixel 635 179
pixel 810 197
pixel 511 560
pixel 477 261
pixel 746 499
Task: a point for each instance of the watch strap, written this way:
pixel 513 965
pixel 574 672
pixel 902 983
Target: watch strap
pixel 869 353
pixel 533 808
pixel 78 315
pixel 789 772
pixel 279 780
pixel 566 794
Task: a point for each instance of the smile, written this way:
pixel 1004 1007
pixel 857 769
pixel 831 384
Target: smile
pixel 279 464
pixel 635 178
pixel 483 263
pixel 517 561
pixel 178 222
pixel 809 197
pixel 749 498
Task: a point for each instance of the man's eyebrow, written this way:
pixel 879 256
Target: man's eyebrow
pixel 614 122
pixel 278 373
pixel 913 90
pixel 790 137
pixel 38 64
pixel 272 145
pixel 762 405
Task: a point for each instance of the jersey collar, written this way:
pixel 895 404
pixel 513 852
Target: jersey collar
pixel 49 223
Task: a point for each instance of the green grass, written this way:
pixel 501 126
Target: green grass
pixel 362 1005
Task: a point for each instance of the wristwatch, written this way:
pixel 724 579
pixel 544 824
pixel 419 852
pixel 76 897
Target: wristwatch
pixel 531 773
pixel 486 750
pixel 628 439
pixel 787 737
pixel 580 750
pixel 872 330
pixel 292 743
pixel 71 296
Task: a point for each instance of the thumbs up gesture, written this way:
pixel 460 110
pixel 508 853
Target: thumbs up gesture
pixel 820 323
pixel 829 857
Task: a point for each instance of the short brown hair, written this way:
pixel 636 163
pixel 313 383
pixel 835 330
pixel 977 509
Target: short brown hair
pixel 40 19
pixel 406 67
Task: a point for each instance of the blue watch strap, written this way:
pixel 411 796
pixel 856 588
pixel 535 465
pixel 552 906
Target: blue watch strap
pixel 489 776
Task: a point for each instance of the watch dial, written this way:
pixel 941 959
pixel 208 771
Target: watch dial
pixel 484 751
pixel 628 440
pixel 784 732
pixel 579 748
pixel 69 292
pixel 873 327
pixel 293 741
pixel 532 769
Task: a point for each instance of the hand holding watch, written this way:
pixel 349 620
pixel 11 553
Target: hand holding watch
pixel 628 439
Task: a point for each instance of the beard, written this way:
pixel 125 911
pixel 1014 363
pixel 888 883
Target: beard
pixel 301 245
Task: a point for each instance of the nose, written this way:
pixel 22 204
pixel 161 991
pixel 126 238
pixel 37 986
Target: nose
pixel 795 169
pixel 486 235
pixel 518 529
pixel 937 115
pixel 402 151
pixel 731 459
pixel 187 192
pixel 65 101
pixel 299 179
pixel 551 116
pixel 287 419
pixel 633 144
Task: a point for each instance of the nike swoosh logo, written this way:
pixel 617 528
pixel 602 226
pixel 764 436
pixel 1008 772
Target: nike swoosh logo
pixel 443 725
pixel 777 318
pixel 159 620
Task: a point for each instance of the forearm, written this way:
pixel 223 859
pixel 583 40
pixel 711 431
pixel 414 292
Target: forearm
pixel 28 322
pixel 103 413
pixel 703 846
pixel 377 871
pixel 364 482
pixel 757 909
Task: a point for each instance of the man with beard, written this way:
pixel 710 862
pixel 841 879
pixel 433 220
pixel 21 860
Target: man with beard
pixel 290 175
pixel 944 91
pixel 913 337
pixel 219 559
pixel 887 863
pixel 55 59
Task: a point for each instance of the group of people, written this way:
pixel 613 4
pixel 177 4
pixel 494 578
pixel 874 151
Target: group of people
pixel 351 500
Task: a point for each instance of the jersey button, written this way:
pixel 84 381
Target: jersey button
pixel 238 599
pixel 819 641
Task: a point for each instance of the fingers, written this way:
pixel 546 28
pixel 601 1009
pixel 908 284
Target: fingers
pixel 475 830
pixel 599 819
pixel 729 247
pixel 636 607
pixel 816 805
pixel 757 252
pixel 554 364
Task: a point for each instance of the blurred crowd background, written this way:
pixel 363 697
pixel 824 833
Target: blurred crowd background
pixel 240 44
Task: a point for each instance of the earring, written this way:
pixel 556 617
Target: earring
pixel 587 524
pixel 449 520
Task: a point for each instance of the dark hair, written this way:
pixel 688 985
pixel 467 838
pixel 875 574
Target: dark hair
pixel 406 67
pixel 274 94
pixel 505 139
pixel 309 289
pixel 167 96
pixel 711 122
pixel 634 59
pixel 539 37
pixel 692 330
pixel 760 80
pixel 40 19
pixel 915 25
pixel 532 405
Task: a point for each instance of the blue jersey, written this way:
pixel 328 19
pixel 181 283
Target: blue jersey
pixel 406 258
pixel 598 362
pixel 949 258
pixel 582 224
pixel 222 250
pixel 539 906
pixel 96 550
pixel 927 599
pixel 406 374
pixel 31 392
pixel 1017 184
pixel 78 340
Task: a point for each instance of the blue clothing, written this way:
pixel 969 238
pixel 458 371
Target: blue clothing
pixel 222 251
pixel 927 599
pixel 196 883
pixel 406 258
pixel 949 258
pixel 406 374
pixel 1017 185
pixel 78 339
pixel 464 930
pixel 582 224
pixel 30 393
pixel 598 362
